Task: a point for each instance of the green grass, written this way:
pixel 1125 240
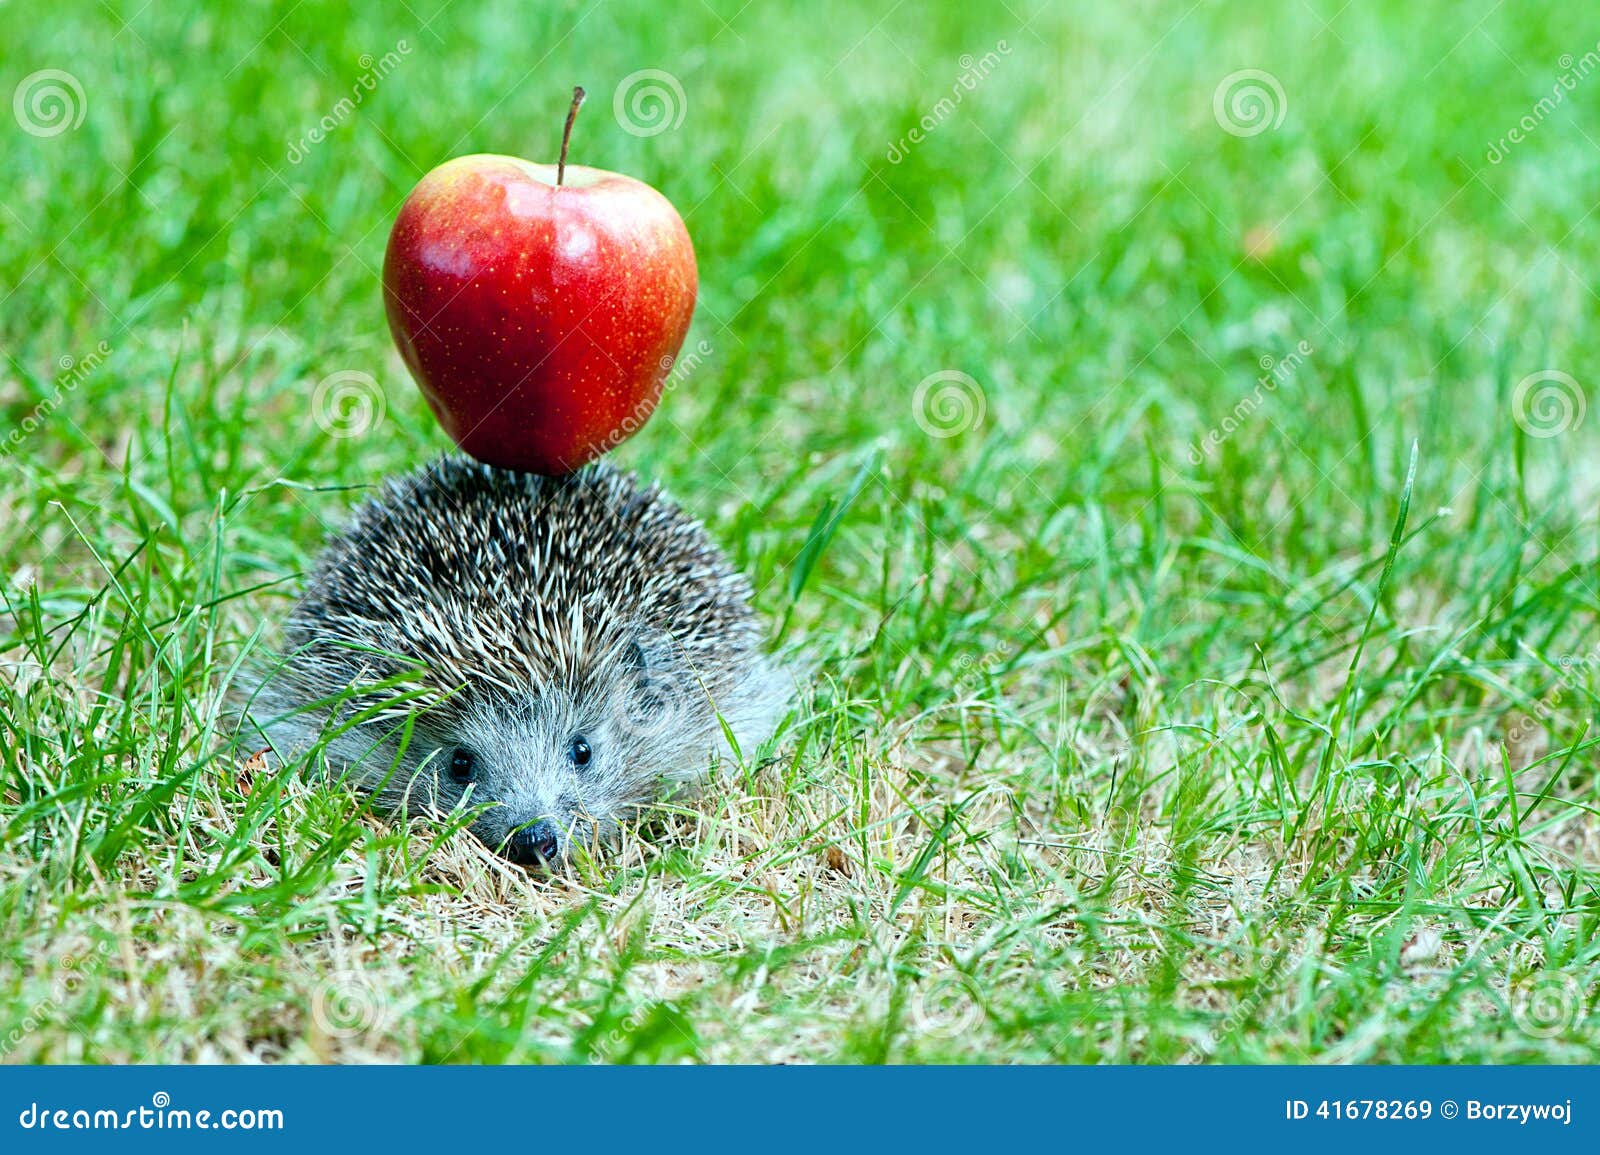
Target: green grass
pixel 1120 745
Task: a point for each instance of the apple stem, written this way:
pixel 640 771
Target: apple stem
pixel 566 134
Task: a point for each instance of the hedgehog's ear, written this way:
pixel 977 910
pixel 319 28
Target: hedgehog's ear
pixel 651 658
pixel 650 651
pixel 634 659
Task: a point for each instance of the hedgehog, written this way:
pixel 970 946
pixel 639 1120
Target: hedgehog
pixel 558 654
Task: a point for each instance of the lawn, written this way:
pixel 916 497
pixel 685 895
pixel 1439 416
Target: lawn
pixel 1200 663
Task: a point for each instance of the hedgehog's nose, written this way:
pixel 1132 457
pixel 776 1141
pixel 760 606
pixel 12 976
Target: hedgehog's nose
pixel 538 843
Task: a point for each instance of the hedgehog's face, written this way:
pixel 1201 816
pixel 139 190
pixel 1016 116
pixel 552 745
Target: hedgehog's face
pixel 567 765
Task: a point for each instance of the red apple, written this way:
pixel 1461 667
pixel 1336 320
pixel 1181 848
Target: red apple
pixel 538 306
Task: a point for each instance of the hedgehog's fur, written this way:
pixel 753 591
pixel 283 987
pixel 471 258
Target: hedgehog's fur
pixel 510 616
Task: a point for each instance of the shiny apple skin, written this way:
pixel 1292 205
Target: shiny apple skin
pixel 540 322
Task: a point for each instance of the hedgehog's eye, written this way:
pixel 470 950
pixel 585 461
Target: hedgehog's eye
pixel 579 751
pixel 463 764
